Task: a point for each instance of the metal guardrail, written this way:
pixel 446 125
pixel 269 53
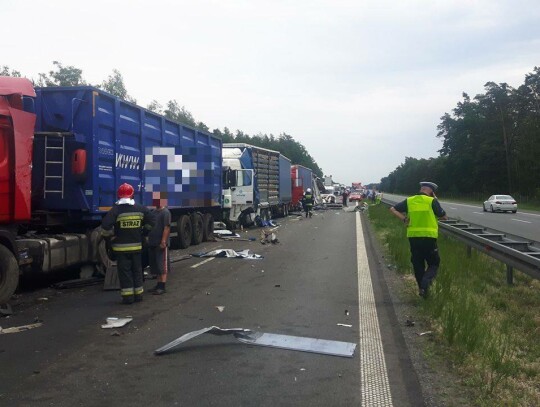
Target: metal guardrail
pixel 521 255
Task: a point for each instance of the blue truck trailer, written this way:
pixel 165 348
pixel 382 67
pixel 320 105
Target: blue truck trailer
pixel 61 174
pixel 257 182
pixel 89 142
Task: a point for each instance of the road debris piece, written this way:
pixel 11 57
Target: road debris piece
pixel 425 333
pixel 5 310
pixel 346 312
pixel 17 329
pixel 303 344
pixel 180 258
pixel 80 282
pixel 115 322
pixel 220 308
pixel 345 325
pixel 269 236
pixel 409 323
pixel 229 253
pixel 225 233
pixel 219 225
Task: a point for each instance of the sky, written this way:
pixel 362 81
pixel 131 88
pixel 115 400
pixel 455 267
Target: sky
pixel 361 84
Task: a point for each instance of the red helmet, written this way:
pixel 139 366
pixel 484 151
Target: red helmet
pixel 125 191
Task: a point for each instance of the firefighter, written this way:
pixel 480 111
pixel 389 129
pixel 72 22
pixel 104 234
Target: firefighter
pixel 419 213
pixel 307 202
pixel 128 220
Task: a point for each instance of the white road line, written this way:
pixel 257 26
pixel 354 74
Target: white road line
pixel 374 384
pixel 202 262
pixel 519 220
pixel 452 208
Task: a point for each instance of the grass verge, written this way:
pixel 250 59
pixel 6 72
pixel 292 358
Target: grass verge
pixel 489 330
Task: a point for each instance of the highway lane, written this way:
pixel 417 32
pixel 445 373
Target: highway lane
pixel 323 273
pixel 524 224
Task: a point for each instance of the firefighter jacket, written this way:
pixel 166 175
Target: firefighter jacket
pixel 308 199
pixel 128 221
pixel 422 220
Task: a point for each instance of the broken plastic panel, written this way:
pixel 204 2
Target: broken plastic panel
pixel 303 344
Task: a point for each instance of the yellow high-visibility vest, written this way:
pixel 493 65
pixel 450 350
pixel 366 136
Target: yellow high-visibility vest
pixel 422 220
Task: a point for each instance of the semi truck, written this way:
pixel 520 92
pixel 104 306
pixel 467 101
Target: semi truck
pixel 301 179
pixel 63 153
pixel 256 182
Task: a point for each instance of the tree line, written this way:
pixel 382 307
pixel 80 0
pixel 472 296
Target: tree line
pixel 62 75
pixel 491 145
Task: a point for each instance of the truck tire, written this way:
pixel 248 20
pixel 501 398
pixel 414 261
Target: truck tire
pixel 208 226
pixel 9 274
pixel 198 229
pixel 185 230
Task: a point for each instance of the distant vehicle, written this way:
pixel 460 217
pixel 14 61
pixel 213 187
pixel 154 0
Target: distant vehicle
pixel 501 203
pixel 355 196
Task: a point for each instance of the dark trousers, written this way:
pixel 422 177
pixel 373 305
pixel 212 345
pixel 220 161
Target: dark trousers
pixel 424 251
pixel 130 273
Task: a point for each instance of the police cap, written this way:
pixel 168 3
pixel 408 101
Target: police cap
pixel 431 185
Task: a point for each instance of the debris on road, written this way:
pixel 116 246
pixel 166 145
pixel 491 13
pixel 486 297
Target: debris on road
pixel 219 226
pixel 269 236
pixel 180 258
pixel 346 312
pixel 425 333
pixel 225 233
pixel 345 325
pixel 17 329
pixel 409 323
pixel 229 253
pixel 80 282
pixel 115 322
pixel 247 336
pixel 6 310
pixel 220 308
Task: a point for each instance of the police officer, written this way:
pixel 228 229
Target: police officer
pixel 128 220
pixel 419 213
pixel 307 202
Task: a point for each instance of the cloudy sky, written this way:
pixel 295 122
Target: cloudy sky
pixel 362 84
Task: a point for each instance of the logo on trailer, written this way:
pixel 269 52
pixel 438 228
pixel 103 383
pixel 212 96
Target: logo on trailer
pixel 127 161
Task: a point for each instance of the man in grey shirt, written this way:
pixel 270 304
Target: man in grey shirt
pixel 158 246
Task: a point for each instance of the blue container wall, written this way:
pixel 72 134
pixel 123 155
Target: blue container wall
pixel 305 175
pixel 285 185
pixel 162 159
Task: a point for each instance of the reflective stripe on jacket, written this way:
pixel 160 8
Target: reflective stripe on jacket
pixel 422 220
pixel 128 222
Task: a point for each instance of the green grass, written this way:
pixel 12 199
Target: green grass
pixel 490 330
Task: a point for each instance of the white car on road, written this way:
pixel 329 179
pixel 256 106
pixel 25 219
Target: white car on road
pixel 501 203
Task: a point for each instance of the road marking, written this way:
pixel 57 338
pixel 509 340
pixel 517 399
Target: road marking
pixel 452 208
pixel 519 220
pixel 202 262
pixel 479 213
pixel 374 384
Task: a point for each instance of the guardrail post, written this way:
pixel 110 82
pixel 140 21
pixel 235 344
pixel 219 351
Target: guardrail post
pixel 509 274
pixel 469 251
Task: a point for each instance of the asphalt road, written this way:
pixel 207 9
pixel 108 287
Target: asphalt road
pixel 322 273
pixel 525 224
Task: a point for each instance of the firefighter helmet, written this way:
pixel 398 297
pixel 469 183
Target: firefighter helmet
pixel 125 191
pixel 308 190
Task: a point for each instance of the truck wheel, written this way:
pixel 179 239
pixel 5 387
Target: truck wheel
pixel 9 274
pixel 208 226
pixel 198 229
pixel 184 231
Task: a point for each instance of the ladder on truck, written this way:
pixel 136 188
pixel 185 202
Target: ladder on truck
pixel 54 163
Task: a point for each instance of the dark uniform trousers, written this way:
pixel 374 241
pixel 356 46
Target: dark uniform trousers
pixel 424 250
pixel 130 273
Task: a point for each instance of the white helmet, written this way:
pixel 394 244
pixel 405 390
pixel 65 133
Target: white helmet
pixel 308 190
